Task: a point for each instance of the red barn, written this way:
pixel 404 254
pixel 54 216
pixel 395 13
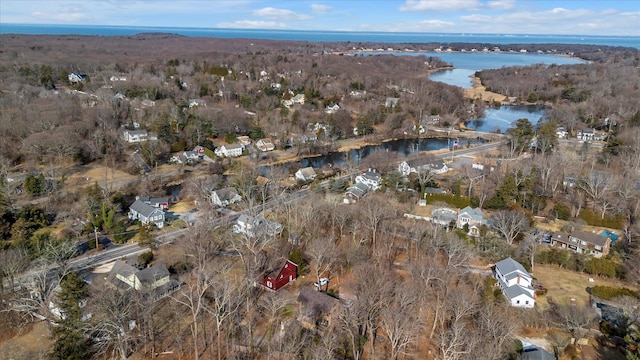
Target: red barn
pixel 278 279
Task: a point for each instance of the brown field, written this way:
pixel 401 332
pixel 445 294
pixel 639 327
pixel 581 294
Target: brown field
pixel 564 285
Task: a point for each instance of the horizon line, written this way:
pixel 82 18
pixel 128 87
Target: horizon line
pixel 470 34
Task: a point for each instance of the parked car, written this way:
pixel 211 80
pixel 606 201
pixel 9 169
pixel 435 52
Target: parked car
pixel 323 282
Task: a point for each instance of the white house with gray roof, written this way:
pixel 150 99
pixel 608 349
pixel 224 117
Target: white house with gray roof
pixel 127 276
pixel 256 226
pixel 370 178
pixel 515 283
pixel 146 214
pixel 473 218
pixel 226 196
pixel 229 150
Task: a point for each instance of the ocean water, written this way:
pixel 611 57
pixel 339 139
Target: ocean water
pixel 322 36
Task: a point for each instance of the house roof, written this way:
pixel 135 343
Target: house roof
pixel 371 175
pixel 515 291
pixel 509 265
pixel 474 213
pixel 231 146
pixel 307 172
pixel 151 274
pixel 227 193
pixel 153 200
pixel 590 237
pixel 358 189
pixel 141 208
pixel 315 302
pixel 121 268
pixel 136 132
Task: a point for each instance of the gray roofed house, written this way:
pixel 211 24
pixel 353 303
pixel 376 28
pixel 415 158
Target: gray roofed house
pixel 305 174
pixel 582 242
pixel 370 178
pixel 226 196
pixel 135 136
pixel 473 217
pixel 256 226
pixel 158 202
pixel 126 275
pixel 515 282
pixel 355 192
pixel 315 308
pixel 146 214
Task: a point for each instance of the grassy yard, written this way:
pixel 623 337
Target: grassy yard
pixel 564 285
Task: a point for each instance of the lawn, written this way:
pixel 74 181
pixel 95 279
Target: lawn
pixel 564 285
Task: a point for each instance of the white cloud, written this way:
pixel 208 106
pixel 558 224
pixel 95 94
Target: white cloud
pixel 502 4
pixel 250 24
pixel 440 5
pixel 280 14
pixel 320 9
pixel 554 21
pixel 437 23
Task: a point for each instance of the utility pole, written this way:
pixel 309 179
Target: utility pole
pixel 95 229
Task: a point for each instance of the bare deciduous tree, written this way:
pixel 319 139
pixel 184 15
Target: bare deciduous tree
pixel 510 223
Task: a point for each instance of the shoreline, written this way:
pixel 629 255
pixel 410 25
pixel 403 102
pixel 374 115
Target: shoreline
pixel 281 157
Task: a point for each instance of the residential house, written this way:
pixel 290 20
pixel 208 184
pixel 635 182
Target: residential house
pixel 438 167
pixel 118 78
pixel 586 134
pixel 265 145
pixel 315 308
pixel 135 136
pixel 370 178
pixel 229 150
pixel 244 140
pixel 515 283
pixel 198 149
pixel 298 99
pixel 196 103
pixel 146 214
pixel 153 277
pixel 473 218
pixel 412 166
pixel 226 196
pixel 157 202
pixel 305 174
pixel 331 108
pixel 582 242
pixel 570 181
pixel 391 102
pixel 433 119
pixel 191 156
pixel 75 78
pixel 281 276
pixel 562 133
pixel 355 192
pixel 256 226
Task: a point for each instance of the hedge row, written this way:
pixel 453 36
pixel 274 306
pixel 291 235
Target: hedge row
pixel 608 292
pixel 593 219
pixel 457 201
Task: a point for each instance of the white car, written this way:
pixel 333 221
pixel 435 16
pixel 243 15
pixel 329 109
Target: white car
pixel 323 282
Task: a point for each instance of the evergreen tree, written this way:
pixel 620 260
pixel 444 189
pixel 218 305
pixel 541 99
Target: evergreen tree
pixel 70 342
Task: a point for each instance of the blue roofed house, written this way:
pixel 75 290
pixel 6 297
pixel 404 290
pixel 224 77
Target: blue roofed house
pixel 473 218
pixel 146 214
pixel 515 283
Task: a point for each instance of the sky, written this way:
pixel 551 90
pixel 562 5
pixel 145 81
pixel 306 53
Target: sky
pixel 571 17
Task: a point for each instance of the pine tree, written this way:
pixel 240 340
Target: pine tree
pixel 70 342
